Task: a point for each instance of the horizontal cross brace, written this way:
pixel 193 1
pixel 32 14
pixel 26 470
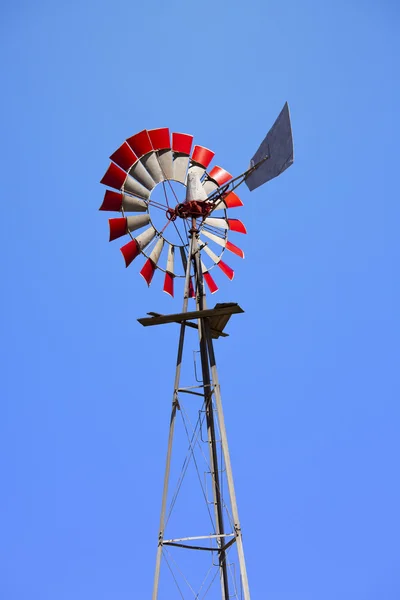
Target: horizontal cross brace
pixel 193 314
pixel 200 537
pixel 190 547
pixel 183 391
pixel 215 334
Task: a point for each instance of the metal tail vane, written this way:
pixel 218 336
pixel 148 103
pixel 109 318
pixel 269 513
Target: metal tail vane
pixel 200 238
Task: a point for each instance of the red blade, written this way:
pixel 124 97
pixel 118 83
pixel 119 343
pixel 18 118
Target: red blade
pixel 140 143
pixel 192 293
pixel 118 228
pixel 202 156
pixel 115 201
pixel 182 143
pixel 212 286
pixel 148 271
pixel 232 248
pixel 233 224
pixel 112 201
pixel 226 269
pixel 114 177
pixel 170 273
pixel 232 200
pixel 169 284
pixel 135 247
pixel 130 251
pixel 150 265
pixel 124 157
pixel 219 175
pixel 122 225
pixel 222 242
pixel 160 138
pixel 236 225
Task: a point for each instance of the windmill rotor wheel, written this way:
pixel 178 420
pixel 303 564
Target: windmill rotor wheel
pixel 145 170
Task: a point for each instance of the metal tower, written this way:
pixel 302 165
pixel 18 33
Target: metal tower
pixel 204 557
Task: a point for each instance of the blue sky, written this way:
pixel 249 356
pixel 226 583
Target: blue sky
pixel 309 373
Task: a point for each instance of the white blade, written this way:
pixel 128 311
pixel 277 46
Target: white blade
pixel 131 204
pixel 215 238
pixel 152 165
pixel 142 175
pixel 203 267
pixel 134 223
pixel 181 162
pixel 217 222
pixel 171 260
pixel 212 255
pixel 145 238
pixel 135 188
pixel 155 253
pixel 166 164
pixel 210 186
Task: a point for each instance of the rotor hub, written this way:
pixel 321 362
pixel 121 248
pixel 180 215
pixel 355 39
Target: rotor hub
pixel 197 209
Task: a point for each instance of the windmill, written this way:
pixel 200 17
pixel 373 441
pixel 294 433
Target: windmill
pixel 186 237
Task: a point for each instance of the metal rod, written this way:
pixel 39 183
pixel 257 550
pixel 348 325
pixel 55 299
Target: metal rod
pixel 187 547
pixel 229 544
pixel 200 299
pixel 217 196
pixel 172 428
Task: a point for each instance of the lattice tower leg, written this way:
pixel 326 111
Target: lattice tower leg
pixel 172 428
